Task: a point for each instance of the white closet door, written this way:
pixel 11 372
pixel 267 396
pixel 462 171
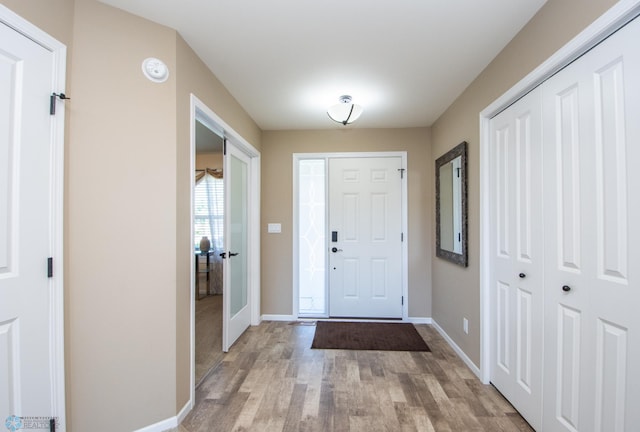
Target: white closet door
pixel 517 255
pixel 29 362
pixel 592 211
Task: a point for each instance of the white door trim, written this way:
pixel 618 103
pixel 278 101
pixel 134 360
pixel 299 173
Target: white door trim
pixel 56 193
pixel 297 157
pixel 620 14
pixel 206 116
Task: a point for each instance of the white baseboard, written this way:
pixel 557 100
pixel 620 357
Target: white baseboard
pixel 413 320
pixel 170 423
pixel 475 369
pixel 186 409
pixel 162 426
pixel 419 320
pixel 278 318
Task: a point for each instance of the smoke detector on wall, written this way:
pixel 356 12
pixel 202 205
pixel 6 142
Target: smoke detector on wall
pixel 155 70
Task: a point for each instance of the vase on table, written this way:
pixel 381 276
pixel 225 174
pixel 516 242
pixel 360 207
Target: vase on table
pixel 205 245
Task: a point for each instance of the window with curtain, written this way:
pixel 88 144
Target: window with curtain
pixel 209 208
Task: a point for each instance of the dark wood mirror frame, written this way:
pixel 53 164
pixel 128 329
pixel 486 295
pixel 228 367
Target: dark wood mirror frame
pixel 457 258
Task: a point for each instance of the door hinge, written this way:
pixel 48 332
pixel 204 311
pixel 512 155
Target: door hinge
pixel 402 301
pixel 50 267
pixel 401 237
pixel 224 146
pixel 401 172
pixel 52 425
pixel 52 101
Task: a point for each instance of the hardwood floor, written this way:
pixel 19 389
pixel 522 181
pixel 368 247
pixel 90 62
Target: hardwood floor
pixel 272 381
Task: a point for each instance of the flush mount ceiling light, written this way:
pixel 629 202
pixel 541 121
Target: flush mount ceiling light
pixel 344 112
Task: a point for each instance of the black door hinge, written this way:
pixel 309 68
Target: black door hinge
pixel 50 267
pixel 224 146
pixel 401 172
pixel 402 301
pixel 52 101
pixel 52 425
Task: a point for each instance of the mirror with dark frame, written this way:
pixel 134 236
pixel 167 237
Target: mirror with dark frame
pixel 451 205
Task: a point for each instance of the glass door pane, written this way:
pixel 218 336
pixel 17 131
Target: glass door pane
pixel 311 237
pixel 236 311
pixel 238 239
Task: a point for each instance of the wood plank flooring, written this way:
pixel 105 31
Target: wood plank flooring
pixel 272 381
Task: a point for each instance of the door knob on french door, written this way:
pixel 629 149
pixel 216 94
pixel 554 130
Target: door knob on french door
pixel 223 255
pixel 566 288
pixel 335 249
pixel 522 275
pixel 232 254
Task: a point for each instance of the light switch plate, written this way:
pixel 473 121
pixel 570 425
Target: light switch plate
pixel 274 228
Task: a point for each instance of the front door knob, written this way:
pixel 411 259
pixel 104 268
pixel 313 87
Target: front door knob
pixel 566 288
pixel 522 275
pixel 335 249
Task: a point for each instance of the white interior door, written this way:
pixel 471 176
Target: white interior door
pixel 236 299
pixel 365 253
pixel 517 255
pixel 592 158
pixel 28 310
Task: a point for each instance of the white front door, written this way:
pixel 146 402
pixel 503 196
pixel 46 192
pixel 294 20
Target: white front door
pixel 592 235
pixel 236 309
pixel 517 255
pixel 365 237
pixel 29 361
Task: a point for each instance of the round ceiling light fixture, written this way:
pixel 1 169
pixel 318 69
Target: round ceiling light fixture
pixel 344 112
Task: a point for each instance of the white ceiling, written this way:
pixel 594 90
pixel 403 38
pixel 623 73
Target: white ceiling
pixel 286 61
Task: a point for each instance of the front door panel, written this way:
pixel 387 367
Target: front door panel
pixel 365 263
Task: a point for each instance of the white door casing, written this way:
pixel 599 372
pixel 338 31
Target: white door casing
pixel 591 136
pixel 203 114
pixel 516 246
pixel 32 67
pixel 365 209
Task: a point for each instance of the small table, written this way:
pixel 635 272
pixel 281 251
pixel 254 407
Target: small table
pixel 207 270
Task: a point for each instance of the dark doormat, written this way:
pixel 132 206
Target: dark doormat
pixel 368 336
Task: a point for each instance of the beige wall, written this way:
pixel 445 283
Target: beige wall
pixel 277 205
pixel 456 291
pixel 121 241
pixel 53 16
pixel 209 160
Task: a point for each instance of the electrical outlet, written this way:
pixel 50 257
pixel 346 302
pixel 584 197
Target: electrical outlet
pixel 465 325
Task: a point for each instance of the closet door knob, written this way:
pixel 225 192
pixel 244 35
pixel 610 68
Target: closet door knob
pixel 566 288
pixel 522 275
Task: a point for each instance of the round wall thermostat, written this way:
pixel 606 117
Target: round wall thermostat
pixel 155 70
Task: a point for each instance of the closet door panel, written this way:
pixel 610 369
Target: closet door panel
pixel 611 173
pixel 591 160
pixel 516 245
